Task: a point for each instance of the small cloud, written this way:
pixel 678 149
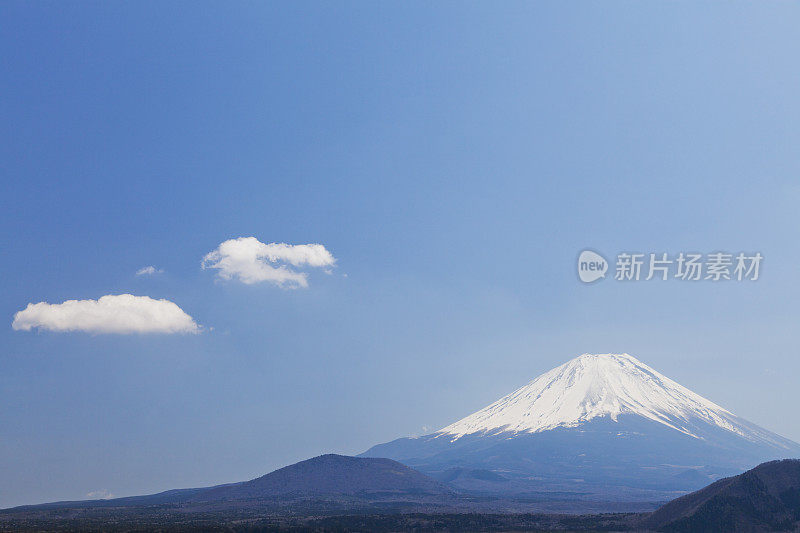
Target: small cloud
pixel 101 494
pixel 148 271
pixel 251 261
pixel 122 314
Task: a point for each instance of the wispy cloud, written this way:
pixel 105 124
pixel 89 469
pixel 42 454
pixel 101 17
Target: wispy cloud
pixel 251 261
pixel 148 271
pixel 122 314
pixel 101 494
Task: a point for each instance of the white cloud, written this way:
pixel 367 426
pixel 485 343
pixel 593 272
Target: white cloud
pixel 148 271
pixel 251 261
pixel 101 494
pixel 123 313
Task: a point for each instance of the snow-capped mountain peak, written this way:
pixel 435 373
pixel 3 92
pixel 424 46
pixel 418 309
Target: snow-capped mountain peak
pixel 602 424
pixel 600 385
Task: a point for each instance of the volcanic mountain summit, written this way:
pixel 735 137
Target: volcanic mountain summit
pixel 605 385
pixel 598 424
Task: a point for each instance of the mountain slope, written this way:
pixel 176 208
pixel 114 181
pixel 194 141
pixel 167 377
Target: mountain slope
pixel 766 498
pixel 598 424
pixel 605 385
pixel 331 475
pixel 328 483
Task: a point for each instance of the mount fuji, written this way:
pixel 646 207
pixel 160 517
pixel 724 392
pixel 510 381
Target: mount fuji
pixel 599 426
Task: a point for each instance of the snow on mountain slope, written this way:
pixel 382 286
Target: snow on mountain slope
pixel 603 385
pixel 600 426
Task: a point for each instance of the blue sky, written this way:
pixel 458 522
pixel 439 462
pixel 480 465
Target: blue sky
pixel 453 158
